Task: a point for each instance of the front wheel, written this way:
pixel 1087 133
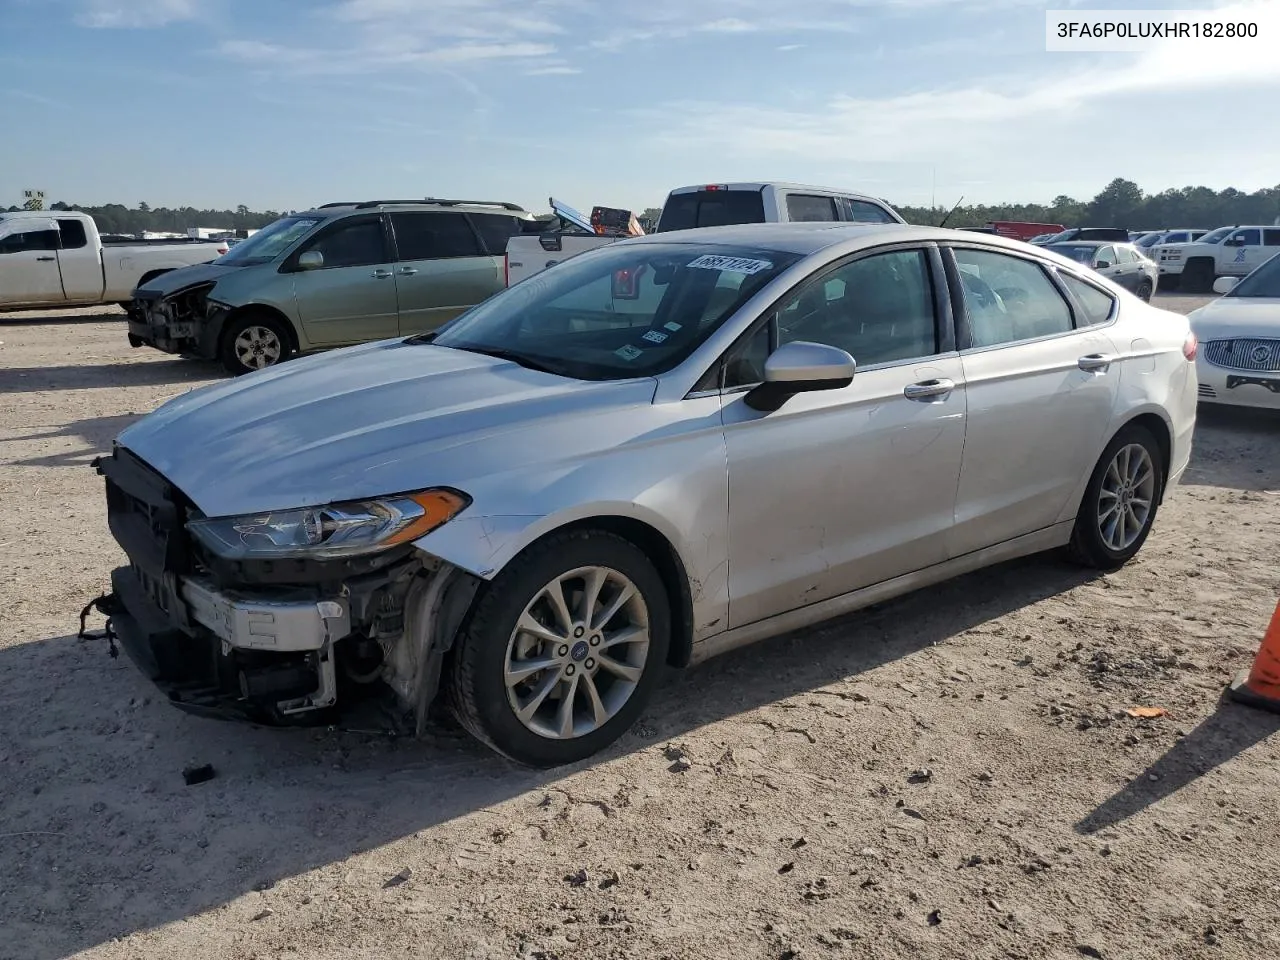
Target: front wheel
pixel 562 649
pixel 1145 290
pixel 1198 276
pixel 1120 502
pixel 255 341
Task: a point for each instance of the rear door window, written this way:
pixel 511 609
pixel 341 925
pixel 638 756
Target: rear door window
pixel 496 229
pixel 73 236
pixel 861 211
pixel 1271 238
pixel 434 235
pixel 711 208
pixel 807 208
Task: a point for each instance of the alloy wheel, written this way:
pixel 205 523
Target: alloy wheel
pixel 257 347
pixel 1126 497
pixel 577 653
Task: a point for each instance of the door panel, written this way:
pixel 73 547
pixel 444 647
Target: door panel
pixel 79 261
pixel 29 266
pixel 441 269
pixel 840 489
pixel 1036 419
pixel 844 488
pixel 352 297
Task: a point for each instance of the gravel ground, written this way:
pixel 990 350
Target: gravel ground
pixel 949 775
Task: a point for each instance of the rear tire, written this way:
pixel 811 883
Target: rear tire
pixel 508 685
pixel 1120 502
pixel 254 341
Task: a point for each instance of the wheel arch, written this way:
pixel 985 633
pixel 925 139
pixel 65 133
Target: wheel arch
pixel 653 542
pixel 1158 427
pixel 261 308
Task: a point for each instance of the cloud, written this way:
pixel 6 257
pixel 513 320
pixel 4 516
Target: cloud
pixel 728 25
pixel 553 71
pixel 135 14
pixel 788 47
pixel 973 121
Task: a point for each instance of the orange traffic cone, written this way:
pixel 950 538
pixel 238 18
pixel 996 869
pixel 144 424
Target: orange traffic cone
pixel 1260 687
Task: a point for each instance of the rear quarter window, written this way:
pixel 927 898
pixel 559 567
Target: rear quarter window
pixel 807 208
pixel 1094 305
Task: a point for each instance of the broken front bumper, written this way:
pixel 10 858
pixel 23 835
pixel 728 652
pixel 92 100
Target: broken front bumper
pixel 185 322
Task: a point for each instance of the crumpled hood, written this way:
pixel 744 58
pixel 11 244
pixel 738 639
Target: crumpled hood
pixel 379 418
pixel 1229 317
pixel 183 277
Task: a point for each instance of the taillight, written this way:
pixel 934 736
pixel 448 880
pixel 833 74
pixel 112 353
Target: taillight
pixel 1190 346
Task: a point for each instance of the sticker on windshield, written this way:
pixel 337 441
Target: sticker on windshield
pixel 629 352
pixel 654 336
pixel 671 325
pixel 731 264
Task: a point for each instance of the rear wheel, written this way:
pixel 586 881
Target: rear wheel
pixel 562 649
pixel 1119 504
pixel 254 341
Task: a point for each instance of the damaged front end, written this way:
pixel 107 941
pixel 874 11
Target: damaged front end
pixel 186 321
pixel 272 640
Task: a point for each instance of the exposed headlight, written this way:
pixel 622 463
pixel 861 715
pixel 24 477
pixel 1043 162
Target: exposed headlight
pixel 337 530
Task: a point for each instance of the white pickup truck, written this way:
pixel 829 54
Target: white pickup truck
pixel 57 258
pixel 704 205
pixel 1225 252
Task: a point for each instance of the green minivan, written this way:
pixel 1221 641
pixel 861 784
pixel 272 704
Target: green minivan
pixel 340 274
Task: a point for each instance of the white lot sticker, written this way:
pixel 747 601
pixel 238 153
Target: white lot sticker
pixel 654 336
pixel 731 264
pixel 671 325
pixel 628 352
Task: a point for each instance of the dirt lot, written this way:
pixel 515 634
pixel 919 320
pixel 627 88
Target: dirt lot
pixel 950 775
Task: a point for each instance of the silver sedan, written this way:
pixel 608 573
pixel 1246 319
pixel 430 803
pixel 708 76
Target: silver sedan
pixel 654 452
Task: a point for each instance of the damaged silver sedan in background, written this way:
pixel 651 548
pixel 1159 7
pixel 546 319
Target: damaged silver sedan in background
pixel 653 453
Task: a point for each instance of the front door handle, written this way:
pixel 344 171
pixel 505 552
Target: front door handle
pixel 46 259
pixel 408 271
pixel 1095 361
pixel 382 274
pixel 927 390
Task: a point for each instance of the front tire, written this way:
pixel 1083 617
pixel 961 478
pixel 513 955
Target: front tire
pixel 1198 276
pixel 254 341
pixel 562 649
pixel 1145 290
pixel 1120 503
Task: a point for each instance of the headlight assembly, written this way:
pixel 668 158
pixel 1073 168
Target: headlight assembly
pixel 334 531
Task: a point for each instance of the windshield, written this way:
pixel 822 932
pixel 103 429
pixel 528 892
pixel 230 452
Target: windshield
pixel 1059 237
pixel 621 311
pixel 1148 239
pixel 1263 282
pixel 269 242
pixel 1216 235
pixel 1081 254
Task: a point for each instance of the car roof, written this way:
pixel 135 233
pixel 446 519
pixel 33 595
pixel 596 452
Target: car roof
pixel 1091 243
pixel 430 203
pixel 778 185
pixel 809 238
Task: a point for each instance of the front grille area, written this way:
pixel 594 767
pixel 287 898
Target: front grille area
pixel 1244 354
pixel 1207 391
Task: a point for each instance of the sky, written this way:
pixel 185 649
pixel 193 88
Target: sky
pixel 283 104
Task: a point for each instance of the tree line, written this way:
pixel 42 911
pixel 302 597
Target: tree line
pixel 1122 203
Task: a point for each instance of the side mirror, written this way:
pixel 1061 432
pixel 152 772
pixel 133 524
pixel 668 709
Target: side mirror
pixel 1233 242
pixel 800 367
pixel 311 260
pixel 1225 284
pixel 1102 264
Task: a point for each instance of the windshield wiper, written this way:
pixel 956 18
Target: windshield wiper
pixel 520 358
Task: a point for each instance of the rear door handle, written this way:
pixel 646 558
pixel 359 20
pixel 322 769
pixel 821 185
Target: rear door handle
pixel 408 271
pixel 382 274
pixel 929 390
pixel 46 259
pixel 1095 361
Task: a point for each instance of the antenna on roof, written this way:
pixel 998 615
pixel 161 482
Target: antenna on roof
pixel 953 210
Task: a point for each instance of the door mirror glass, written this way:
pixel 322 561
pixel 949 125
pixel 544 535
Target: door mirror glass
pixel 801 367
pixel 311 260
pixel 1224 284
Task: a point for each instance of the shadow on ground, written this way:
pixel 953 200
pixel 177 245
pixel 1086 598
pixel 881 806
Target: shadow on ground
pixel 116 376
pixel 1226 734
pixel 1236 448
pixel 91 436
pixel 101 831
